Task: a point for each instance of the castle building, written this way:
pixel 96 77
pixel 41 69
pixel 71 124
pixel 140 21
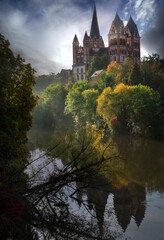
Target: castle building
pixel 123 41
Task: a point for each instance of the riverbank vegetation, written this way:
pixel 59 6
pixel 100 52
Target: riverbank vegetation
pixel 127 98
pixel 32 205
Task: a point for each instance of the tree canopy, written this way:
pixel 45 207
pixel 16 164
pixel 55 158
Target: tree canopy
pixel 16 104
pixel 136 108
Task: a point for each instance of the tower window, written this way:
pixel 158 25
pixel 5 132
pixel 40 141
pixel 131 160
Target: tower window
pixel 81 69
pixel 77 70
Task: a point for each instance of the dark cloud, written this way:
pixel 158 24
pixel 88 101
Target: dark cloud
pixel 153 39
pixel 42 31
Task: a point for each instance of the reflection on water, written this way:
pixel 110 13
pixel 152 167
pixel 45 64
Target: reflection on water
pixel 127 206
pixel 133 207
pixel 143 161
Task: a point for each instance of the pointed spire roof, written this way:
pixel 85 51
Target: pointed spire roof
pixel 132 26
pixel 117 22
pixel 75 39
pixel 94 26
pixel 85 36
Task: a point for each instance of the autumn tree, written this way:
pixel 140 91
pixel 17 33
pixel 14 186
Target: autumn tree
pixel 121 72
pixel 114 68
pixel 136 109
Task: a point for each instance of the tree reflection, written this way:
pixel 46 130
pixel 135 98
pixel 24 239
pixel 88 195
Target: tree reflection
pixel 129 201
pixel 90 161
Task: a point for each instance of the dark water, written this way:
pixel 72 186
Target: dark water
pixel 132 207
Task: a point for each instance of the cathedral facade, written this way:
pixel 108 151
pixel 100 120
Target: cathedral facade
pixel 123 41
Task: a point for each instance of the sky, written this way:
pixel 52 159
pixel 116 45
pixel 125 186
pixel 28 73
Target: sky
pixel 42 31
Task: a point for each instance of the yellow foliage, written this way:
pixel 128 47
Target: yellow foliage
pixel 114 68
pixel 122 88
pixel 103 109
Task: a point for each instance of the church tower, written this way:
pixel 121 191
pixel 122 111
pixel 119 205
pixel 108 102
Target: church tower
pixel 75 49
pixel 96 40
pixel 117 41
pixel 132 41
pixel 92 45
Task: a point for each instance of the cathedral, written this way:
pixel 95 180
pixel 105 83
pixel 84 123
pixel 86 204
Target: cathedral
pixel 123 41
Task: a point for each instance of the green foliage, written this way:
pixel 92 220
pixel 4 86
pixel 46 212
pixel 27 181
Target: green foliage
pixel 127 67
pixel 121 72
pixel 81 102
pixel 16 103
pixel 144 111
pixel 104 61
pixel 135 76
pixel 43 81
pixel 153 76
pixel 50 110
pixel 151 58
pixel 97 63
pixel 106 80
pixel 137 109
pixel 90 105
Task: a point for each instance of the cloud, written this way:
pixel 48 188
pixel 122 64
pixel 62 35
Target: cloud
pixel 142 10
pixel 44 31
pixel 153 39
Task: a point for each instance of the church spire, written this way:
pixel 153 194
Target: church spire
pixel 117 22
pixel 132 26
pixel 75 38
pixel 94 26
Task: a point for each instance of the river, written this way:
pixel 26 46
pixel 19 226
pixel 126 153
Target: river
pixel 132 207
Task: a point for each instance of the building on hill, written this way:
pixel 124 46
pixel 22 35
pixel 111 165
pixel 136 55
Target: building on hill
pixel 123 41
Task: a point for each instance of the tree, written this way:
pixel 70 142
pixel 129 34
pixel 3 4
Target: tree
pixel 114 68
pixel 43 81
pixel 135 76
pixel 16 104
pixel 75 100
pixel 144 111
pixel 97 63
pixel 50 110
pixel 104 61
pixel 106 80
pixel 127 67
pixel 81 103
pixel 151 58
pixel 152 75
pixel 90 105
pixel 133 108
